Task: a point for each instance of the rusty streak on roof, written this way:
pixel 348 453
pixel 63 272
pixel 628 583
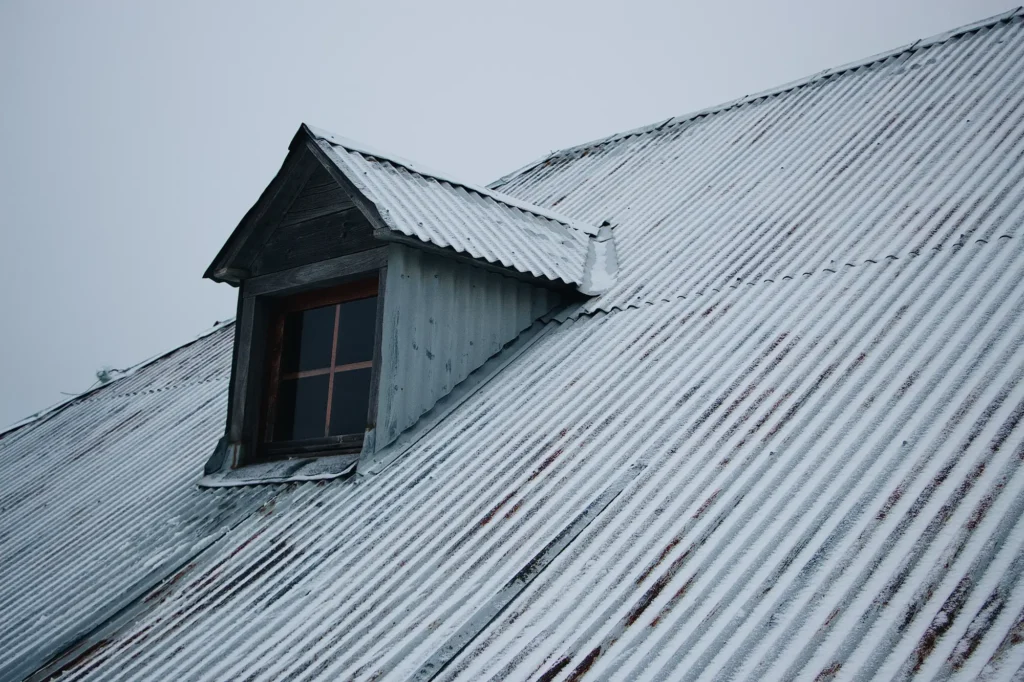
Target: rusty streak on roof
pixel 813 360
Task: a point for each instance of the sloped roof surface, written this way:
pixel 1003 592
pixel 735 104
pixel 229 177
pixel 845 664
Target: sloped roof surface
pixel 846 497
pixel 473 220
pixel 895 157
pixel 786 445
pixel 98 501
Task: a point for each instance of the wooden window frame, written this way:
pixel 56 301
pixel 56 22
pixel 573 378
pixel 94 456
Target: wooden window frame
pixel 266 448
pixel 258 298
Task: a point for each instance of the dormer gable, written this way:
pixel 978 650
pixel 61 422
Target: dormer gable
pixel 334 196
pixel 426 276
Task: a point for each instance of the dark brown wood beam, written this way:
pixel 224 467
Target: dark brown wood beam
pixel 322 273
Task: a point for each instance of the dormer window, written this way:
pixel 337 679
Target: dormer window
pixel 369 290
pixel 321 370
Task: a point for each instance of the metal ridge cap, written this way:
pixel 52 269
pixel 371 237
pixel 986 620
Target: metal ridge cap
pixel 776 90
pixel 419 169
pixel 131 370
pixel 967 28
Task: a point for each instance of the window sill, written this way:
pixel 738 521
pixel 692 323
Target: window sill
pixel 315 447
pixel 284 471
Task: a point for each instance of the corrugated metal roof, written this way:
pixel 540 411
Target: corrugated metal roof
pixel 913 152
pixel 745 461
pixel 472 220
pixel 832 467
pixel 98 501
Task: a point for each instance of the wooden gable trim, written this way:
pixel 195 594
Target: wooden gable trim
pixel 231 264
pixel 322 150
pixel 306 155
pixel 322 273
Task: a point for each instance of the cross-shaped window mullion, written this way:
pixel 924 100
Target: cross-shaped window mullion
pixel 330 381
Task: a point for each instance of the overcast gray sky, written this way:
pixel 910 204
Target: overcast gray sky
pixel 135 135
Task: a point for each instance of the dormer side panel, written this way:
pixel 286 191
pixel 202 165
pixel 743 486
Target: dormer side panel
pixel 442 320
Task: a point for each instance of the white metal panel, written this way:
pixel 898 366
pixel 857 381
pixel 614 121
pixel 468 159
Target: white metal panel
pixel 831 483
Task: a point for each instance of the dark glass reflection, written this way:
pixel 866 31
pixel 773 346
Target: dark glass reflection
pixel 356 327
pixel 301 408
pixel 307 340
pixel 350 402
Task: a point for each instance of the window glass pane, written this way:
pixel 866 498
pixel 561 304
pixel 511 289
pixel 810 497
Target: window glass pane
pixel 307 339
pixel 350 402
pixel 356 327
pixel 301 408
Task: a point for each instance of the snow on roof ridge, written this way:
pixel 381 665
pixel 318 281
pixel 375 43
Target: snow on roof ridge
pixel 777 90
pixel 121 374
pixel 420 169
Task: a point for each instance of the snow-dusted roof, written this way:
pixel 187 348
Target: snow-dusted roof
pixel 98 501
pixel 786 444
pixel 482 223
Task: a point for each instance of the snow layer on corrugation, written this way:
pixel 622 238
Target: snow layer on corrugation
pixel 469 221
pixel 889 159
pixel 845 501
pixel 832 483
pixel 832 480
pixel 98 499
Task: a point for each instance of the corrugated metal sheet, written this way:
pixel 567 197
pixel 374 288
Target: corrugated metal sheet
pixel 915 152
pixel 98 501
pixel 743 462
pixel 442 320
pixel 844 502
pixel 472 220
pixel 832 482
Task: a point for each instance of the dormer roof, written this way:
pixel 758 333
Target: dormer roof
pixel 405 202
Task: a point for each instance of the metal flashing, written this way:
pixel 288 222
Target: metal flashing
pixel 295 470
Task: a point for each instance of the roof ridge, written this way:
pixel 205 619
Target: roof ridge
pixel 908 48
pixel 423 171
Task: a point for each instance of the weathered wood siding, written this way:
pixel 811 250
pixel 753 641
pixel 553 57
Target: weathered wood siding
pixel 321 223
pixel 442 320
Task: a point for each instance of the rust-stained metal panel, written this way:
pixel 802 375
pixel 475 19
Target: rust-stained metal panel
pixel 831 481
pixel 829 457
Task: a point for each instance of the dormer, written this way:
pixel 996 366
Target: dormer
pixel 369 288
